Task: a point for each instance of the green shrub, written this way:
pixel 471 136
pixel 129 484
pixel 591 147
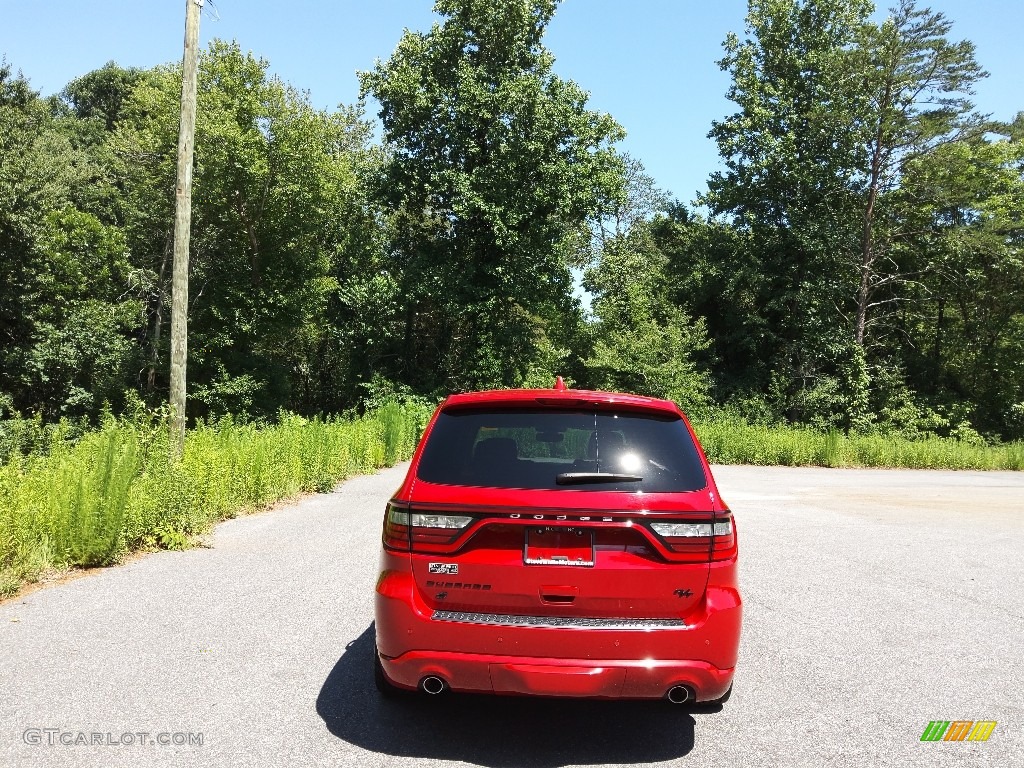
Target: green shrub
pixel 731 440
pixel 116 490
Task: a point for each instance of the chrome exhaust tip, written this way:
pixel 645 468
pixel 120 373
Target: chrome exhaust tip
pixel 679 694
pixel 433 685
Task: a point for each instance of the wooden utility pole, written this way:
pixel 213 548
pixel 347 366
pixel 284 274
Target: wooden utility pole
pixel 183 222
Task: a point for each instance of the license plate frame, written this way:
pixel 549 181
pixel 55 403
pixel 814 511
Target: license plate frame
pixel 550 545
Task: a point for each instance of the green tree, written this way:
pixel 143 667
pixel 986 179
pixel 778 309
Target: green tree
pixel 280 229
pixel 833 111
pixel 494 165
pixel 66 324
pixel 918 82
pixel 83 352
pixel 793 152
pixel 644 342
pixel 964 333
pixel 99 95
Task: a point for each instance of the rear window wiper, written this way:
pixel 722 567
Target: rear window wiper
pixel 571 478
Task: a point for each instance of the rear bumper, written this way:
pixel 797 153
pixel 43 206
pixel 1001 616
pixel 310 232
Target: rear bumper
pixel 613 662
pixel 595 678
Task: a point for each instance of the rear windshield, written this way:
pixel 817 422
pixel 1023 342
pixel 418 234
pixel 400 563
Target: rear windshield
pixel 549 449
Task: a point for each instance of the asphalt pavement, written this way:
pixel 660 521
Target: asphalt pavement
pixel 875 601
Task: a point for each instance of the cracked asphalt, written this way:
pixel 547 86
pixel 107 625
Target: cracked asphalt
pixel 875 601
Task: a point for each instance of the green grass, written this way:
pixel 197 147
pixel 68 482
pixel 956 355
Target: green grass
pixel 736 442
pixel 115 490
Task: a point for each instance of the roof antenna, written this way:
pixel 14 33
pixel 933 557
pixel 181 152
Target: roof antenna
pixel 559 384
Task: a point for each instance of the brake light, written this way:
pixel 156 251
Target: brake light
pixel 406 529
pixel 428 529
pixel 691 540
pixel 699 541
pixel 724 547
pixel 396 528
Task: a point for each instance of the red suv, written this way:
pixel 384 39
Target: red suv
pixel 563 543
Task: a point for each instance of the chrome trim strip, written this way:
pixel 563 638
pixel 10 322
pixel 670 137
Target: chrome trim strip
pixel 555 622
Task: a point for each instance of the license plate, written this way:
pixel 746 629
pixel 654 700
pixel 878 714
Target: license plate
pixel 559 546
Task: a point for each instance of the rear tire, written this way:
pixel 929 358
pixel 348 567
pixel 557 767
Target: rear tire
pixel 385 687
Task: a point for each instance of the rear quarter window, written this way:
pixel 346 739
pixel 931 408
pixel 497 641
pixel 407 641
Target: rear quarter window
pixel 531 448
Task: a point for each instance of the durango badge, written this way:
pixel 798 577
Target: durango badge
pixel 449 568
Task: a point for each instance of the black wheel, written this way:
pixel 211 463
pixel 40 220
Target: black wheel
pixel 384 686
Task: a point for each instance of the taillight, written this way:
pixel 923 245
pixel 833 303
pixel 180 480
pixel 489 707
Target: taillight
pixel 429 529
pixel 724 547
pixel 692 540
pixel 698 541
pixel 405 528
pixel 396 528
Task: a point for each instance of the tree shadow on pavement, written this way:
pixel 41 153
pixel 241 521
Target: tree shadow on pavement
pixel 496 731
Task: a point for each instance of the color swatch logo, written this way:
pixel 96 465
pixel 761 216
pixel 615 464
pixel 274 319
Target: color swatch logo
pixel 958 730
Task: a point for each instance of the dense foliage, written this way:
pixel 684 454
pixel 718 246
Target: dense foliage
pixel 853 257
pixel 494 165
pixel 856 266
pixel 114 491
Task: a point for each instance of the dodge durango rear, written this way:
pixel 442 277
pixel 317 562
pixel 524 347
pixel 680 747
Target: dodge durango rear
pixel 562 543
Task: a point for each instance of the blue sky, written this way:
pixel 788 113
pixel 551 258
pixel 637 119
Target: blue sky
pixel 650 63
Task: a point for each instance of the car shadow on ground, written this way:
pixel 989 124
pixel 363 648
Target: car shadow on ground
pixel 496 731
